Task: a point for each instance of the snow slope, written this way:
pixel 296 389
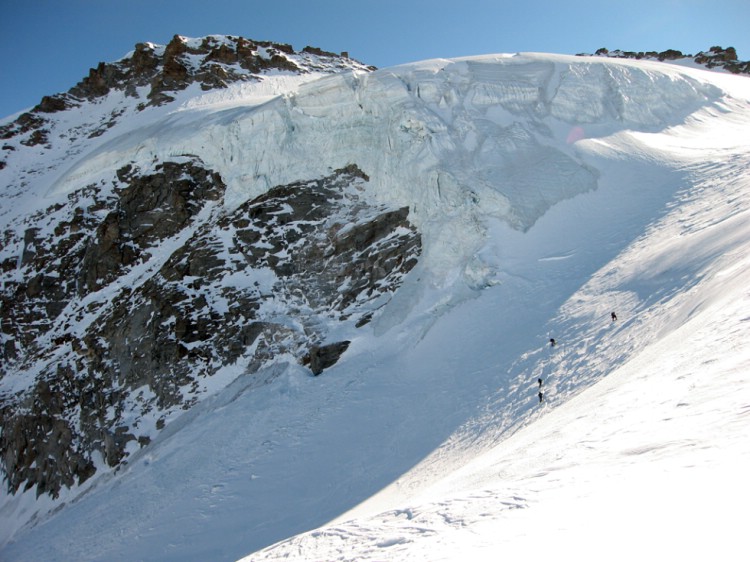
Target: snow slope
pixel 550 191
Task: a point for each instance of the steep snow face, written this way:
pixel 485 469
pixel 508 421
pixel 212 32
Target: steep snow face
pixel 456 140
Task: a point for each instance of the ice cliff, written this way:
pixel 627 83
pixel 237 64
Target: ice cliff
pixel 456 140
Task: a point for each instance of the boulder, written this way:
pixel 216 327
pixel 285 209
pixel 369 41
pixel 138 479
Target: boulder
pixel 324 356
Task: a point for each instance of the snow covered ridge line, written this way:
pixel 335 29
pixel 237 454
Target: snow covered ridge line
pixel 715 57
pixel 212 62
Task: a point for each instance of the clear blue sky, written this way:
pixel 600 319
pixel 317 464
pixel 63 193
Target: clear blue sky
pixel 47 46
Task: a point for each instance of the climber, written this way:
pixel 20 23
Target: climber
pixel 552 342
pixel 614 317
pixel 540 382
pixel 541 396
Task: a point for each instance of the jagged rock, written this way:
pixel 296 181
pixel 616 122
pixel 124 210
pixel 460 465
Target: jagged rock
pixel 38 445
pixel 41 445
pixel 223 53
pixel 144 62
pixel 315 249
pixel 720 54
pixel 25 123
pixel 149 209
pixel 174 74
pixel 669 54
pixel 324 356
pixel 723 58
pixel 100 81
pixel 317 51
pixel 53 104
pixel 85 252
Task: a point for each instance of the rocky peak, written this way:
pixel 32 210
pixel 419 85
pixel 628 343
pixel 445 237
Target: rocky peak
pixel 718 57
pixel 155 73
pixel 212 61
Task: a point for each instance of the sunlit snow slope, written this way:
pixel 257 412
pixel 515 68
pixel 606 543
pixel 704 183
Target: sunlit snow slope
pixel 550 191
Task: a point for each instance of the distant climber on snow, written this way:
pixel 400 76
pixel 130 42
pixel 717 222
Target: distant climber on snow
pixel 614 317
pixel 540 382
pixel 541 397
pixel 552 342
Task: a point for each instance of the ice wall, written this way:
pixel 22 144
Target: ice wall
pixel 452 139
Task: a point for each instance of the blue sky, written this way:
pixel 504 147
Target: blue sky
pixel 47 46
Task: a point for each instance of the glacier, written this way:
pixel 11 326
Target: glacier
pixel 549 190
pixel 454 141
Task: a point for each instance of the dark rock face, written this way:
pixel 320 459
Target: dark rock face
pixel 41 443
pixel 83 253
pixel 122 303
pixel 149 209
pixel 324 356
pixel 52 104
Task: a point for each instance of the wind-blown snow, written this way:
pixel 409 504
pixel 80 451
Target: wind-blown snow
pixel 427 440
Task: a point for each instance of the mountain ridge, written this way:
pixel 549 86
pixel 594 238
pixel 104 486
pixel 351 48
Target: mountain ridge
pixel 159 72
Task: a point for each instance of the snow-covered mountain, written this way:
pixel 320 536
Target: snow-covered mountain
pixel 106 326
pixel 179 262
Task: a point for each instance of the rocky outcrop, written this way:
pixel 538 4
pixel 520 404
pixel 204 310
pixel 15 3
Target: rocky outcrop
pixel 323 356
pixel 150 208
pixel 95 239
pixel 669 54
pixel 715 57
pixel 124 302
pixel 718 57
pixel 212 62
pixel 73 254
pixel 31 123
